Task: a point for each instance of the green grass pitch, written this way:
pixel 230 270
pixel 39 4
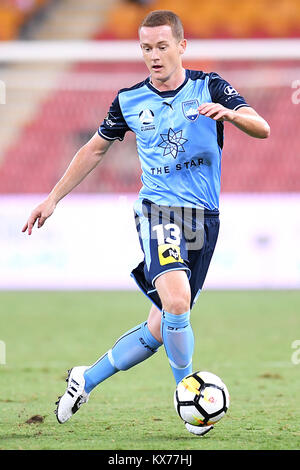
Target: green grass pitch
pixel 244 337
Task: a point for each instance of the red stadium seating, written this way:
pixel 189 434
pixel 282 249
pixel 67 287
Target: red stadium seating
pixel 202 19
pixel 66 119
pixel 14 14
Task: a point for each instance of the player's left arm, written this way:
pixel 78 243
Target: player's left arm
pixel 245 118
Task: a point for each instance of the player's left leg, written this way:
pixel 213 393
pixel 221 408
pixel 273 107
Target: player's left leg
pixel 176 331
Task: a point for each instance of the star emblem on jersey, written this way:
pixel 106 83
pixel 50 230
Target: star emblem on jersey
pixel 172 143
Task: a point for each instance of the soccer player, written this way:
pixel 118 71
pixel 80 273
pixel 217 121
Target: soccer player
pixel 178 117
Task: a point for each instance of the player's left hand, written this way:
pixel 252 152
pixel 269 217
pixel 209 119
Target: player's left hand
pixel 216 111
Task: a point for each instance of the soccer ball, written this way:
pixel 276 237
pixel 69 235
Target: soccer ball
pixel 201 399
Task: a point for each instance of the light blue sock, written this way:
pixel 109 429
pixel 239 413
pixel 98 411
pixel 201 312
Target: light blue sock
pixel 178 339
pixel 132 348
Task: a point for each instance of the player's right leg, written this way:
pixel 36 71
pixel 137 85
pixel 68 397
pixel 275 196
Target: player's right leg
pixel 154 323
pixel 74 396
pixel 135 346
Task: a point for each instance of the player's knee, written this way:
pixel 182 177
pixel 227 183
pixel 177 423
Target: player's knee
pixel 177 303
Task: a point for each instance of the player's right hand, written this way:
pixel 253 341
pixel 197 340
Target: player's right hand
pixel 40 213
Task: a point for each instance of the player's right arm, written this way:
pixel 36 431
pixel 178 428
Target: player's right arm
pixel 85 160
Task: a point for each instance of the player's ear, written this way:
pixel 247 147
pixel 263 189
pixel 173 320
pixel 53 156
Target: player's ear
pixel 182 46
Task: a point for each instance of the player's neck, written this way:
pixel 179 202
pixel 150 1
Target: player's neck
pixel 172 83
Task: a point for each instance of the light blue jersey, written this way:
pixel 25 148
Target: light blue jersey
pixel 179 149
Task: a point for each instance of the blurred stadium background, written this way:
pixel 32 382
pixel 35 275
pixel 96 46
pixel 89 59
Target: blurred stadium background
pixel 61 64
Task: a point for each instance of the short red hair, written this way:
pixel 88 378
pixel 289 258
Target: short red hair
pixel 164 17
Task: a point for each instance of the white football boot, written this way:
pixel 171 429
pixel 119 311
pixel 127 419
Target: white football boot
pixel 198 430
pixel 75 396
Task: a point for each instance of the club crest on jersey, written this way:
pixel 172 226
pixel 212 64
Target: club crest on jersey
pixel 190 109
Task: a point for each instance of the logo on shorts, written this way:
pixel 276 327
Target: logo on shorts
pixel 190 109
pixel 172 143
pixel 169 254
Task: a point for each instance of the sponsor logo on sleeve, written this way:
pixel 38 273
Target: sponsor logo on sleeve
pixel 230 91
pixel 110 120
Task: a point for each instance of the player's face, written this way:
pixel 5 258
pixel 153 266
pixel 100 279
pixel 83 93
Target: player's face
pixel 162 52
